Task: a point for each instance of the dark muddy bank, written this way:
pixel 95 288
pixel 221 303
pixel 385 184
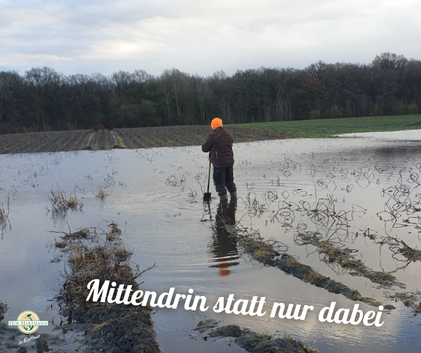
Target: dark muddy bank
pixel 94 254
pixel 252 341
pixel 273 253
pixel 344 257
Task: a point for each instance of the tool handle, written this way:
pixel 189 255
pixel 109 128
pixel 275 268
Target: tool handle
pixel 209 172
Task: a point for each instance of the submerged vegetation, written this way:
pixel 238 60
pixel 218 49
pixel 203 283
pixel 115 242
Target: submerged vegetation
pixel 101 193
pixel 61 203
pixel 268 253
pixel 4 216
pixel 339 254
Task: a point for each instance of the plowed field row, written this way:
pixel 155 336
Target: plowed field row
pixel 52 141
pixel 55 141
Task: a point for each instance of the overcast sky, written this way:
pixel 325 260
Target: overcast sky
pixel 202 37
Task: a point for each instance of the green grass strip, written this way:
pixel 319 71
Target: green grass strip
pixel 330 127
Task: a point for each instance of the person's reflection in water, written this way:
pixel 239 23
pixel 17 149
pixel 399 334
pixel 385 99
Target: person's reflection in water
pixel 224 244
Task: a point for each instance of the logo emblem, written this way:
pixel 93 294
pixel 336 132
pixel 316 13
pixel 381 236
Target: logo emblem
pixel 28 322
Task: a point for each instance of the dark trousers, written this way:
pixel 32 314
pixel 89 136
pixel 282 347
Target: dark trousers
pixel 223 179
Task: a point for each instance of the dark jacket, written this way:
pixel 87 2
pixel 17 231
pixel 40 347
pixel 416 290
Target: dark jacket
pixel 219 143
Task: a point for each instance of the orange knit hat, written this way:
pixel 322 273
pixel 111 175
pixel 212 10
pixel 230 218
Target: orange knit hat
pixel 215 123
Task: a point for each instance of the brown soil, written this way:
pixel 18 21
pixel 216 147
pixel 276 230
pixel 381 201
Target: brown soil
pixel 93 254
pixel 166 136
pixel 52 141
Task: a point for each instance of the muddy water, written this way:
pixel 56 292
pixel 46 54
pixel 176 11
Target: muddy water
pixel 353 190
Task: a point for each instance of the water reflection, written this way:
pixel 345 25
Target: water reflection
pixel 224 243
pixel 207 212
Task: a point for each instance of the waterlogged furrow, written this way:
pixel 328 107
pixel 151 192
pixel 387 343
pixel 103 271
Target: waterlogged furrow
pixel 268 254
pixel 344 257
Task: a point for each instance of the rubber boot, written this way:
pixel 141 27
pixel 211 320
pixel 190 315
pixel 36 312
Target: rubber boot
pixel 233 195
pixel 223 198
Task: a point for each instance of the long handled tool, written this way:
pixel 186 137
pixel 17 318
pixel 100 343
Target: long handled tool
pixel 207 195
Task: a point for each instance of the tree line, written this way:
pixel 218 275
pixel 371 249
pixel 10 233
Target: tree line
pixel 43 99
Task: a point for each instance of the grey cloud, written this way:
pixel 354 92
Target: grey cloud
pixel 201 37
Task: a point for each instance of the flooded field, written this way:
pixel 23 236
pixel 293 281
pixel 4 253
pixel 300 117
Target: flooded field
pixel 349 207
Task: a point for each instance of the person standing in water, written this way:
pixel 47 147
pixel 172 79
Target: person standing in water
pixel 219 145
